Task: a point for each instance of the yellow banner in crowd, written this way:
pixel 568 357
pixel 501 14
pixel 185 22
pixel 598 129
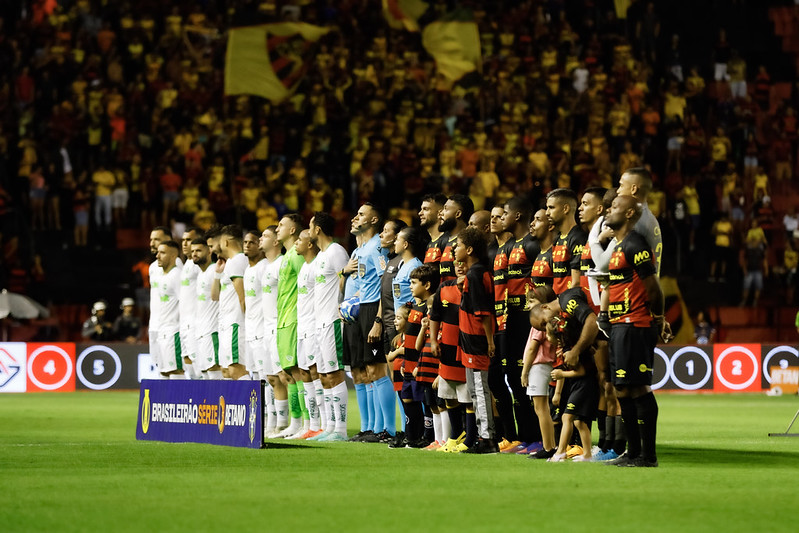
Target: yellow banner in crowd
pixel 454 42
pixel 269 60
pixel 404 14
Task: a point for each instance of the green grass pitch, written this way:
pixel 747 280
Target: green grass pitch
pixel 70 462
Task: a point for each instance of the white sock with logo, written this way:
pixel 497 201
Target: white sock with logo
pixel 313 408
pixel 340 399
pixel 320 402
pixel 330 413
pixel 282 411
pixel 269 408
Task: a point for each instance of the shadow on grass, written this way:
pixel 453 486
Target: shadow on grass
pixel 726 456
pixel 288 445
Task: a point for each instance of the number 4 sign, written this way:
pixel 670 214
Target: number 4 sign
pixel 51 367
pixel 737 367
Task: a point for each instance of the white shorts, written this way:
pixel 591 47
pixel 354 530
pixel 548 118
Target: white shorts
pixel 207 354
pixel 307 350
pixel 538 379
pixel 188 342
pixel 170 355
pixel 453 390
pixel 119 198
pixel 231 345
pixel 255 354
pixel 271 362
pixel 329 339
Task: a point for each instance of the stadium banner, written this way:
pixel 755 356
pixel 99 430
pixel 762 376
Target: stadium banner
pixel 108 366
pixel 221 412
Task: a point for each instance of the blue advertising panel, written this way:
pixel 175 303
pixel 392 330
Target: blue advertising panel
pixel 227 413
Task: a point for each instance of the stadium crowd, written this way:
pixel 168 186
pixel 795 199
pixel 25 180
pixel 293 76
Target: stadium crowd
pixel 550 321
pixel 113 115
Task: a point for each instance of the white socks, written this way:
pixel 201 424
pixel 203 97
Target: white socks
pixel 446 427
pixel 340 398
pixel 214 374
pixel 320 403
pixel 282 410
pixel 437 427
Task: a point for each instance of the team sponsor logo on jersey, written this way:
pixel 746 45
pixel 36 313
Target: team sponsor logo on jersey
pixel 621 373
pixel 571 307
pixel 642 257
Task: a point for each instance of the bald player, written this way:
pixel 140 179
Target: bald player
pixel 636 316
pixel 481 220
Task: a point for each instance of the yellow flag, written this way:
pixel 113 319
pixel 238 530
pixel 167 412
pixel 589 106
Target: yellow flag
pixel 454 42
pixel 404 14
pixel 269 60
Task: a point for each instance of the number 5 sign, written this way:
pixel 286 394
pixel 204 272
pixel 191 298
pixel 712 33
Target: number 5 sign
pixel 737 367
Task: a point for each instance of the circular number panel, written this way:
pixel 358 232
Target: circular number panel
pixel 737 367
pixel 98 367
pixel 51 367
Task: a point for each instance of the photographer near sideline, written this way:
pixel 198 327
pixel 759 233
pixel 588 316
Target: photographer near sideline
pixel 97 327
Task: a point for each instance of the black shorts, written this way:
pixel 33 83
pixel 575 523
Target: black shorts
pixel 352 342
pixel 430 395
pixel 632 354
pixel 368 353
pixel 556 411
pixel 411 390
pixel 388 335
pixel 516 334
pixel 583 398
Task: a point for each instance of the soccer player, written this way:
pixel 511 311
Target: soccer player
pixel 288 230
pixel 569 241
pixel 576 330
pixel 451 381
pixel 228 290
pixel 476 338
pixel 330 261
pixel 542 267
pixel 307 348
pixel 522 250
pixel 432 204
pixel 276 398
pixel 253 310
pixel 498 257
pixel 636 317
pixel 170 362
pixel 188 303
pixel 206 322
pixel 158 235
pixel 481 220
pixel 370 361
pixel 453 218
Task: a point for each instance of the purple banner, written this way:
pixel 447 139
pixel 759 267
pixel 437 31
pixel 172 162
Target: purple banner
pixel 227 413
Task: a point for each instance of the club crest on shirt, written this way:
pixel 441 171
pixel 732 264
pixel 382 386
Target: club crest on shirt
pixel 382 261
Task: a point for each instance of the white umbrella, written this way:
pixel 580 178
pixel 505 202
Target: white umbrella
pixel 20 306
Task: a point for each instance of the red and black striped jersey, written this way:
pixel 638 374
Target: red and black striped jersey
pixel 476 303
pixel 631 263
pixel 445 311
pixel 566 252
pixel 435 249
pixel 396 365
pixel 522 254
pixel 542 269
pixel 427 370
pixel 501 285
pixel 412 330
pixel 447 264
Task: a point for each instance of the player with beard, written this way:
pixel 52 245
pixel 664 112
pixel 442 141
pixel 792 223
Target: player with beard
pixel 453 218
pixel 170 361
pixel 569 241
pixel 187 303
pixel 636 316
pixel 522 249
pixel 276 395
pixel 253 310
pixel 330 261
pixel 206 322
pixel 158 235
pixel 228 289
pixel 432 204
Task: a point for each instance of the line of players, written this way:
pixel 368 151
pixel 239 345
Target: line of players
pixel 447 349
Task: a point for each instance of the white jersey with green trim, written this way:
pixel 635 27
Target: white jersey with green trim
pixel 327 295
pixel 207 311
pixel 168 294
pixel 306 320
pixel 253 294
pixel 188 294
pixel 269 293
pixel 230 311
